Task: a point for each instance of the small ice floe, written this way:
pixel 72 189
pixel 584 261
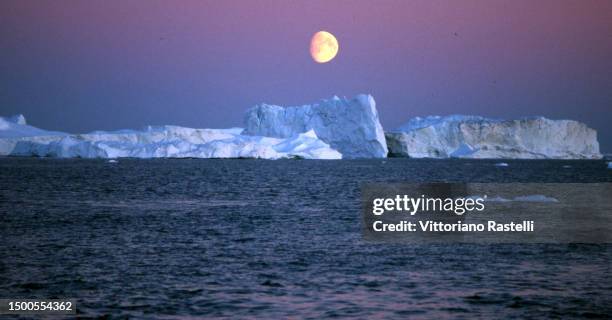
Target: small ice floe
pixel 112 161
pixel 489 199
pixel 567 166
pixel 496 199
pixel 527 198
pixel 501 164
pixel 535 198
pixel 610 165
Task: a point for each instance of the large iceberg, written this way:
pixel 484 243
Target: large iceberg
pixel 478 137
pixel 331 129
pixel 350 126
pixel 19 139
pixel 16 127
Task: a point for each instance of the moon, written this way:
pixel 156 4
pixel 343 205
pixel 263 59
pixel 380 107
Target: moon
pixel 323 47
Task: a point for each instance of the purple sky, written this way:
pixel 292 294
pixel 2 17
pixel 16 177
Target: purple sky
pixel 78 66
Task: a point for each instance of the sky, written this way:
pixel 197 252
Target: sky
pixel 79 66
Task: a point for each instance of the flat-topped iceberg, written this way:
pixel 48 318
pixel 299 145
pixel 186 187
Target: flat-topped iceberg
pixel 350 126
pixel 477 137
pixel 19 139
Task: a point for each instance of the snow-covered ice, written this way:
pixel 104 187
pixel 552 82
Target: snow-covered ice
pixel 16 127
pixel 350 126
pixel 330 129
pixel 478 137
pixel 19 139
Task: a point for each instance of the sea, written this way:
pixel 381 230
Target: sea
pixel 272 239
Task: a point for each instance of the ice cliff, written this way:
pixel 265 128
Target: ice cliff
pixel 19 139
pixel 350 126
pixel 477 137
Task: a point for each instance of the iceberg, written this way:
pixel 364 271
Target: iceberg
pixel 330 129
pixel 350 126
pixel 19 139
pixel 477 137
pixel 16 126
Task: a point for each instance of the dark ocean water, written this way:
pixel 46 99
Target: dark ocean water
pixel 273 239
